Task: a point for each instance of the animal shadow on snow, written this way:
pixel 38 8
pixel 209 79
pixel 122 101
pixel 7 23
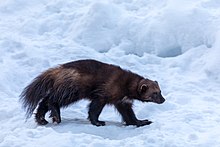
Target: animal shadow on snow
pixel 82 122
pixel 112 130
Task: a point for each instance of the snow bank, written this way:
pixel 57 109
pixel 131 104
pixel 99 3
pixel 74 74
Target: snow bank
pixel 175 42
pixel 167 30
pixel 213 60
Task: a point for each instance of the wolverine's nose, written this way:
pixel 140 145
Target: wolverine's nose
pixel 161 99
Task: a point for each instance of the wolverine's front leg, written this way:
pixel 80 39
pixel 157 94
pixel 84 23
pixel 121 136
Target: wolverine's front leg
pixel 95 108
pixel 125 109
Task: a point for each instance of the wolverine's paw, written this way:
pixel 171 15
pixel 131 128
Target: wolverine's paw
pixel 41 121
pixel 55 118
pixel 143 123
pixel 98 123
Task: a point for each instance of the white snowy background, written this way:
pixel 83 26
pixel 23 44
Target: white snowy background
pixel 176 42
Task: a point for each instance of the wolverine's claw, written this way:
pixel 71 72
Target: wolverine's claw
pixel 143 123
pixel 98 123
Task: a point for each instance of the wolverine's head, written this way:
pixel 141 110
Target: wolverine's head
pixel 149 91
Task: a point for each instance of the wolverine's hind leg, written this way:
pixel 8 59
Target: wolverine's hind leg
pixel 55 112
pixel 41 111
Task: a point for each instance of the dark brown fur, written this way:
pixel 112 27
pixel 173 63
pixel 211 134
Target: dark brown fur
pixel 99 82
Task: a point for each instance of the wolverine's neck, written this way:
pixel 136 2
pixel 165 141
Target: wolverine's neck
pixel 133 82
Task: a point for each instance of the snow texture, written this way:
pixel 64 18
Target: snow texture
pixel 176 42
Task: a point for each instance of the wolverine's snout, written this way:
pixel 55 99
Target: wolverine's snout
pixel 156 97
pixel 160 98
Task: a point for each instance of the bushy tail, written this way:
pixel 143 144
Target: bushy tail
pixel 35 92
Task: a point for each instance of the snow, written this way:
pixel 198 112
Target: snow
pixel 175 42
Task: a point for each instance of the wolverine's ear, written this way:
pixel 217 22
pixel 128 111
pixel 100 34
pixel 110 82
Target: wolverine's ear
pixel 143 88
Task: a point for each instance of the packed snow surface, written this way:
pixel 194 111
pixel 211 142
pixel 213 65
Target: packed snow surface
pixel 176 42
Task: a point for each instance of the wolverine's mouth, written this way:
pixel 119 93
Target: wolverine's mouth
pixel 149 99
pixel 158 101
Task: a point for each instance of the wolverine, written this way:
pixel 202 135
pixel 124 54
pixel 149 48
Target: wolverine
pixel 98 82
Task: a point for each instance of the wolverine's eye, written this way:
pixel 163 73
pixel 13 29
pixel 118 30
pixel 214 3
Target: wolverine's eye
pixel 155 94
